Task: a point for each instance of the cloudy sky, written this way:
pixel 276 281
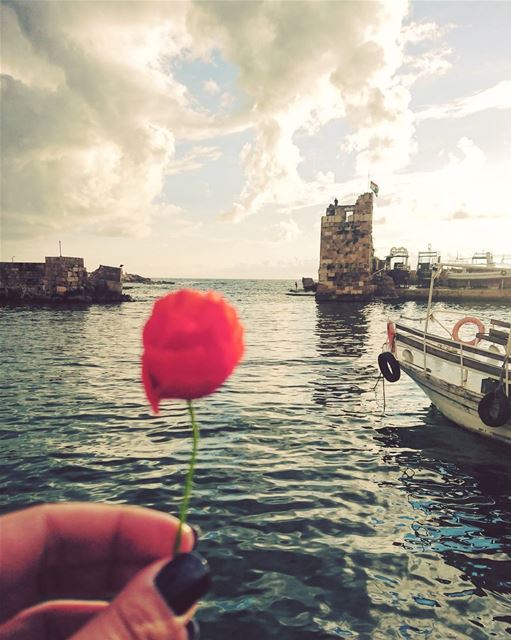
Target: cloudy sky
pixel 205 139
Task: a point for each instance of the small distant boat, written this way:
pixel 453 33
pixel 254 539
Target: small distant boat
pixel 309 287
pixel 468 380
pixel 300 294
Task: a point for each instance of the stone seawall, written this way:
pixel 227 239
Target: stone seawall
pixel 59 279
pixel 22 279
pixel 64 276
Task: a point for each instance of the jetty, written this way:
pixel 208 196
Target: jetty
pixel 59 280
pixel 445 294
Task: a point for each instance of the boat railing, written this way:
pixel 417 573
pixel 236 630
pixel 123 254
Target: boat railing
pixel 492 363
pixel 496 332
pixel 448 343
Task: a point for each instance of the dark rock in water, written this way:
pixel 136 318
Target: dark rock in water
pixel 309 284
pixel 384 286
pixel 134 277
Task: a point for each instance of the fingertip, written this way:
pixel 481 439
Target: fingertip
pixel 187 542
pixel 182 581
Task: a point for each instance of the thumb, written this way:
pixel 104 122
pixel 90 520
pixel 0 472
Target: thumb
pixel 156 605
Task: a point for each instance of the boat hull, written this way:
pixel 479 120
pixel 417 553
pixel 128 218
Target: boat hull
pixel 458 404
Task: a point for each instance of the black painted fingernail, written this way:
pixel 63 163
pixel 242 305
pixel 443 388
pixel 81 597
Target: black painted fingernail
pixel 193 630
pixel 195 534
pixel 183 581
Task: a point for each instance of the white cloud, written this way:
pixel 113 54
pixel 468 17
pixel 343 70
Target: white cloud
pixel 226 100
pixel 285 231
pixel 452 205
pixel 425 54
pixel 384 138
pixel 90 113
pixel 211 87
pixel 315 61
pixel 416 32
pixel 496 97
pixel 193 160
pixel 92 108
pixel 433 63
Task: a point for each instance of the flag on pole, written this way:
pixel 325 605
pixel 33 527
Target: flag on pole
pixel 374 188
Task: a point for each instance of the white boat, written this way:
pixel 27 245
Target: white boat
pixel 468 380
pixel 482 271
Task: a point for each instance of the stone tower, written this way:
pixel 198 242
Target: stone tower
pixel 346 251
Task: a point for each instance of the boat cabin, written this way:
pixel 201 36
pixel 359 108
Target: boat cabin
pixel 425 262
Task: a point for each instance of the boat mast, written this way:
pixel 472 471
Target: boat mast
pixel 435 270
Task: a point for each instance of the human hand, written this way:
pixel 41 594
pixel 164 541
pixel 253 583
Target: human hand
pixel 61 564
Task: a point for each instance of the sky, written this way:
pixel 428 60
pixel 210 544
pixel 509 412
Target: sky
pixel 206 139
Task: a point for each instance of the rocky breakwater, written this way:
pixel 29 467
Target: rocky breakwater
pixel 129 278
pixel 134 277
pixel 59 280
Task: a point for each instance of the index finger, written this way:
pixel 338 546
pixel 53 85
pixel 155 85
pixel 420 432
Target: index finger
pixel 75 550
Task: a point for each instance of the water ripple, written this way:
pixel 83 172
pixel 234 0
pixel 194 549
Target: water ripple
pixel 322 516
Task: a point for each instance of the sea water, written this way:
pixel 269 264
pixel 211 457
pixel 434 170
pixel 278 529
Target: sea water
pixel 325 509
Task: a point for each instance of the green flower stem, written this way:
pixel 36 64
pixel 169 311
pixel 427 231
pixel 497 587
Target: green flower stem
pixel 183 510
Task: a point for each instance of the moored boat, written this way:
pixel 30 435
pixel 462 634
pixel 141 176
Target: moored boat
pixel 482 272
pixel 397 266
pixel 477 276
pixel 468 378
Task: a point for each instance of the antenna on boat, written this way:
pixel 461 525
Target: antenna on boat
pixel 60 248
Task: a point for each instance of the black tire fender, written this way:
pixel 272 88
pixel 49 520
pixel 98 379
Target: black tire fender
pixel 389 366
pixel 494 408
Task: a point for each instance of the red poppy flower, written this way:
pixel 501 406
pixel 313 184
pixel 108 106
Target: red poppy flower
pixel 192 342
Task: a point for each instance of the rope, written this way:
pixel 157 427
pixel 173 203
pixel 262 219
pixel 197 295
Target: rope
pixel 380 377
pixel 448 331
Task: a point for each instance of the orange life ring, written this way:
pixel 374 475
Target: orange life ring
pixel 463 321
pixel 391 335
